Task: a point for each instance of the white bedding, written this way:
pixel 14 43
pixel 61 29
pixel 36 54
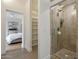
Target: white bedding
pixel 13 37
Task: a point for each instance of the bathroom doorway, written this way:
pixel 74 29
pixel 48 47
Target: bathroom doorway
pixel 14 30
pixel 64 33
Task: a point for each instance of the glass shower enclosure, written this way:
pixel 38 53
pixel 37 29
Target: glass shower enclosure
pixel 64 29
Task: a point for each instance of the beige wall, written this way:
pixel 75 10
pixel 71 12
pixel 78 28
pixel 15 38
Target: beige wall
pixel 17 6
pixel 43 29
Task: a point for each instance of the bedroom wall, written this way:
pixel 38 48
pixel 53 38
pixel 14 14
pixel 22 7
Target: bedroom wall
pixel 13 20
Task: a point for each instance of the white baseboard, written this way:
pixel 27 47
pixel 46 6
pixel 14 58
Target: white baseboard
pixel 47 57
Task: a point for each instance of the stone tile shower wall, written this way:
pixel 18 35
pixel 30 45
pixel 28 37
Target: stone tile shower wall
pixel 68 38
pixel 69 30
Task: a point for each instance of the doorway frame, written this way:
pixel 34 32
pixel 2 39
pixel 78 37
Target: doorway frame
pixel 9 10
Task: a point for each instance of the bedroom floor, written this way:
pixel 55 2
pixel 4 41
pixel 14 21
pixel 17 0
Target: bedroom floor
pixel 13 46
pixel 21 54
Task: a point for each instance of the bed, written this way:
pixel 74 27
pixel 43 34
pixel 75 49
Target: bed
pixel 14 38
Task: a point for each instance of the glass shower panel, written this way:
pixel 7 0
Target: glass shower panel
pixel 64 30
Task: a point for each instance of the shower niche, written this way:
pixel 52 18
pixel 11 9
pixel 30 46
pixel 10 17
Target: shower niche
pixel 63 19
